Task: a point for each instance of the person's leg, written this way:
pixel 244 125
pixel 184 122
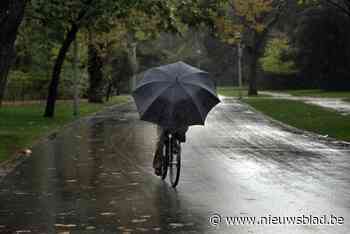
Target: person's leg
pixel 157 158
pixel 158 154
pixel 181 134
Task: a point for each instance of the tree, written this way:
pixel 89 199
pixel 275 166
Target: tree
pixel 35 50
pixel 124 33
pixel 278 57
pixel 343 6
pixel 136 31
pixel 106 44
pixel 95 65
pixel 69 17
pixel 11 15
pixel 323 50
pixel 161 16
pixel 249 22
pixel 121 71
pixel 76 82
pixel 165 16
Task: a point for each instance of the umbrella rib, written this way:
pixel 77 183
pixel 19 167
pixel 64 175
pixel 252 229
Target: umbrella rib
pixel 172 107
pixel 155 98
pixel 200 85
pixel 151 82
pixel 195 102
pixel 196 84
pixel 196 72
pixel 164 72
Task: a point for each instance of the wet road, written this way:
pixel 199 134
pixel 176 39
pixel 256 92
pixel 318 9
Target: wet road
pixel 96 177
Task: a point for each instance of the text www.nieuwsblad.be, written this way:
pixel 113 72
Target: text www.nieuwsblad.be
pixel 217 219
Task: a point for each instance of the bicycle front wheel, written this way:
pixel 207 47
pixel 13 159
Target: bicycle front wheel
pixel 175 163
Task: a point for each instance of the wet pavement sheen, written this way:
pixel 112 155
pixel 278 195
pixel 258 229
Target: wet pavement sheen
pixel 97 177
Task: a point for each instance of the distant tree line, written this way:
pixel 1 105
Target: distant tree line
pixel 318 45
pixel 322 40
pixel 107 33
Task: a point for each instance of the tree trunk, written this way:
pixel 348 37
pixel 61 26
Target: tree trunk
pixel 11 15
pixel 132 56
pixel 53 88
pixel 95 65
pixel 76 78
pixel 109 91
pixel 252 66
pixel 240 70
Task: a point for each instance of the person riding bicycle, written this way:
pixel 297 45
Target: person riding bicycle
pixel 179 133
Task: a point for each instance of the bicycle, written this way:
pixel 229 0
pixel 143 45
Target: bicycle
pixel 171 159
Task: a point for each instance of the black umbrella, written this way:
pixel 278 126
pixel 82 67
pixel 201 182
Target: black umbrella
pixel 175 95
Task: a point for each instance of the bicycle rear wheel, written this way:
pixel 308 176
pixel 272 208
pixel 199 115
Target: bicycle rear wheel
pixel 175 163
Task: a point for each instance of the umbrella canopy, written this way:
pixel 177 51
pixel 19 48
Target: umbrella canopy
pixel 175 95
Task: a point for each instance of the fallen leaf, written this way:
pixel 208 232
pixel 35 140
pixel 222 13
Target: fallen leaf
pixel 133 184
pixel 142 229
pixel 176 225
pixel 25 152
pixel 23 231
pixel 138 220
pixel 71 181
pixel 59 225
pixel 107 214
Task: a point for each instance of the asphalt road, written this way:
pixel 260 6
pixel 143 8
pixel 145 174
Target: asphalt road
pixel 96 177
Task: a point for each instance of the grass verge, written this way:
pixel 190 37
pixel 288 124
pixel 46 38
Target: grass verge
pixel 346 99
pixel 316 93
pixel 305 116
pixel 21 125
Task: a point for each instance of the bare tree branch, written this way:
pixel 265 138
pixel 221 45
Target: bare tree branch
pixel 83 12
pixel 282 6
pixel 344 8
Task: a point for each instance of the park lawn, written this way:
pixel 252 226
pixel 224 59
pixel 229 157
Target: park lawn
pixel 305 116
pixel 316 93
pixel 231 91
pixel 21 125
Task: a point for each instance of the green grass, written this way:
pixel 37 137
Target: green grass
pixel 305 116
pixel 231 91
pixel 21 125
pixel 317 93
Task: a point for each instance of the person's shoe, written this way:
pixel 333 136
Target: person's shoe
pixel 157 165
pixel 157 171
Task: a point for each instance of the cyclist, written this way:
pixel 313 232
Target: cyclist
pixel 179 133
